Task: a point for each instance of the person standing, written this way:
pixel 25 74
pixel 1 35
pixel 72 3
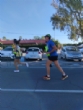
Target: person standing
pixel 17 55
pixel 52 50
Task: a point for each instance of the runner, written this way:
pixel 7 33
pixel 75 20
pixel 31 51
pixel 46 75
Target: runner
pixel 17 55
pixel 46 50
pixel 52 58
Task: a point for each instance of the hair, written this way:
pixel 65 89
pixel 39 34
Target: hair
pixel 48 35
pixel 16 41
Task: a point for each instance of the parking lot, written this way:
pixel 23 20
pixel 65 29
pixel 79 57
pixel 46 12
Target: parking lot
pixel 27 90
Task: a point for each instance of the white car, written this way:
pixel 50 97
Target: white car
pixel 33 53
pixel 7 53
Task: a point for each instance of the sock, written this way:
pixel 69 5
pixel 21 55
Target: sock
pixel 48 75
pixel 64 74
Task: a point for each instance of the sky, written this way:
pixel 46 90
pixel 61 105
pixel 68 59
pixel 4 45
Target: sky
pixel 28 18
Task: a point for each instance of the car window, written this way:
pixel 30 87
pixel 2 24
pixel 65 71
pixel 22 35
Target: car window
pixel 72 49
pixel 35 50
pixel 8 49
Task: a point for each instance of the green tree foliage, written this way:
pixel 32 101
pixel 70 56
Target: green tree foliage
pixel 68 17
pixel 42 37
pixel 58 44
pixel 20 37
pixel 1 44
pixel 4 38
pixel 36 37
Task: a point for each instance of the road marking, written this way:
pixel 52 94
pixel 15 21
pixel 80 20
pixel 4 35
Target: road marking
pixel 60 91
pixel 61 66
pixel 40 67
pixel 40 90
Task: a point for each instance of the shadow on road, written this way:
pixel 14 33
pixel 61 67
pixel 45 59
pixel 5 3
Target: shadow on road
pixel 23 60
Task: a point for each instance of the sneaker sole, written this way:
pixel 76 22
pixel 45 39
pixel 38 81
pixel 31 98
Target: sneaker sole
pixel 65 77
pixel 46 79
pixel 27 65
pixel 16 71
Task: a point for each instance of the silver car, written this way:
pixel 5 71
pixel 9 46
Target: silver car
pixel 71 53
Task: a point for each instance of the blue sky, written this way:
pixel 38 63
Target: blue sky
pixel 28 18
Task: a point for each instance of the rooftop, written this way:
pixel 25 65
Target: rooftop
pixel 23 42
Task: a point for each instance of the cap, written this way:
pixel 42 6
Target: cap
pixel 48 35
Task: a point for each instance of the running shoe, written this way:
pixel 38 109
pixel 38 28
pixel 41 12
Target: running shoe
pixel 16 71
pixel 27 64
pixel 64 77
pixel 46 78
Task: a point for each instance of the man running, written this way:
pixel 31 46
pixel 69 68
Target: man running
pixel 52 50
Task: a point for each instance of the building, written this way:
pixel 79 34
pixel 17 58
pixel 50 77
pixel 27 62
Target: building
pixel 23 42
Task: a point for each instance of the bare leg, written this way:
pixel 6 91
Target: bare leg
pixel 47 77
pixel 16 64
pixel 48 67
pixel 59 68
pixel 64 76
pixel 23 63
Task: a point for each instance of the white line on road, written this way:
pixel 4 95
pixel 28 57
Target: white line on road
pixel 40 90
pixel 42 67
pixel 61 66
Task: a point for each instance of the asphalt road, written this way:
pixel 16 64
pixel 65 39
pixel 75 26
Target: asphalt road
pixel 37 64
pixel 27 90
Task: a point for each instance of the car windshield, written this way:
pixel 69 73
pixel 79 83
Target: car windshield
pixel 8 49
pixel 29 50
pixel 72 49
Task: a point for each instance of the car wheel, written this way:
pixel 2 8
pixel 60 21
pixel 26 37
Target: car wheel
pixel 12 59
pixel 61 57
pixel 25 59
pixel 80 60
pixel 65 57
pixel 40 59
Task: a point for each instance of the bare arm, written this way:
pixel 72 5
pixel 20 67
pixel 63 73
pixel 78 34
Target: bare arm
pixel 54 49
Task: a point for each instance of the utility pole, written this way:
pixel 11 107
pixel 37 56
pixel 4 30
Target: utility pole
pixel 54 33
pixel 55 5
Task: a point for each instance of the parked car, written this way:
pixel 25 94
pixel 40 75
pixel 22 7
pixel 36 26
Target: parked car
pixel 0 53
pixel 81 50
pixel 71 53
pixel 7 53
pixel 41 50
pixel 23 50
pixel 33 53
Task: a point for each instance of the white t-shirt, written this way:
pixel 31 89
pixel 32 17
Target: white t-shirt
pixel 18 49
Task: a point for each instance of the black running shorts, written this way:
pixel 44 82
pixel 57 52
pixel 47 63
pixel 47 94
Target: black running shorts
pixel 53 58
